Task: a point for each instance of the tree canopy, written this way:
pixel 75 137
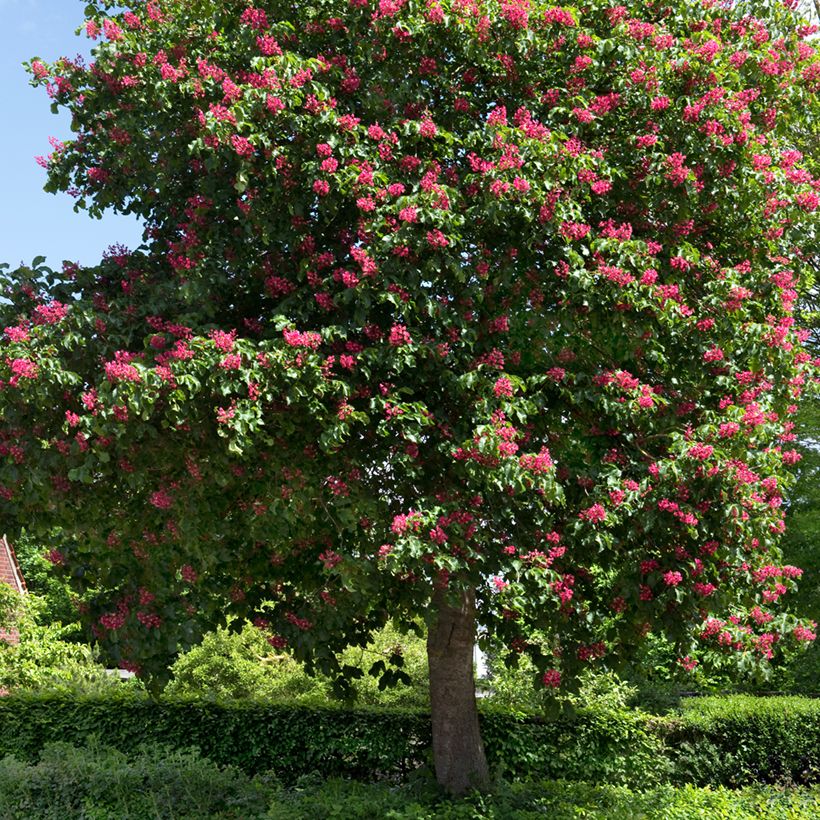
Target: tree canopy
pixel 437 299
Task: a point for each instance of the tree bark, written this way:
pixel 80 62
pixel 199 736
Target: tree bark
pixel 458 752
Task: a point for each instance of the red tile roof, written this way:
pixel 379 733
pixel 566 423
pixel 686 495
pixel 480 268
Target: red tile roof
pixel 11 575
pixel 9 568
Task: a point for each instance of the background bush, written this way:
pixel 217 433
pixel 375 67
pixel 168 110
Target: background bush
pixel 736 740
pixel 239 665
pixel 43 659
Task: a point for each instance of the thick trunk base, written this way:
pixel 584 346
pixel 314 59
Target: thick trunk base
pixel 458 752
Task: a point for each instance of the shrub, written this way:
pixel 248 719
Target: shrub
pixel 150 782
pixel 235 665
pixel 713 741
pixel 296 740
pixel 42 660
pixel 733 740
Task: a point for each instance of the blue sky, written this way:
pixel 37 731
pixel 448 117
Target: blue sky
pixel 32 222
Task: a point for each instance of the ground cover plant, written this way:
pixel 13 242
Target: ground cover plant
pixel 473 311
pixel 153 783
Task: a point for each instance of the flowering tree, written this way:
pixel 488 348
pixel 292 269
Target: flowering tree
pixel 474 310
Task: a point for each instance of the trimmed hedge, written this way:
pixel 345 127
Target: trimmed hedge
pixel 295 740
pixel 292 740
pixel 714 741
pixel 740 739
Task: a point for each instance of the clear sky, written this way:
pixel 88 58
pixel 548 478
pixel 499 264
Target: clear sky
pixel 32 222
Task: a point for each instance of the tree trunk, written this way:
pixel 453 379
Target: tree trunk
pixel 458 752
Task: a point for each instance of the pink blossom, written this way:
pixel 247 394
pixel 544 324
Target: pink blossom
pixel 436 239
pixel 551 678
pixel 503 387
pixel 24 368
pixel 399 336
pixel 574 230
pixel 516 13
pixel 427 128
pixel 225 414
pixel 49 314
pixel 594 514
pixel 113 620
pixel 559 16
pixel 402 523
pixel 701 451
pixel 233 361
pixel 16 333
pixel 538 463
pixel 149 620
pixel 111 30
pixel 161 499
pixel 222 340
pixel 672 578
pixel 309 338
pixel 255 18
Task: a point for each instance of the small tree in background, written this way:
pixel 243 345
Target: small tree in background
pixel 471 310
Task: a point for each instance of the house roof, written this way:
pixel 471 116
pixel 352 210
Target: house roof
pixel 10 574
pixel 9 568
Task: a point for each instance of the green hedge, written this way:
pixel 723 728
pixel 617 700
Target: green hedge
pixel 295 740
pixel 739 739
pixel 714 741
pixel 292 740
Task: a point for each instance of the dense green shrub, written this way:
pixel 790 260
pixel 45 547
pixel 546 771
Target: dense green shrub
pixel 738 739
pixel 613 745
pixel 292 739
pixel 42 659
pixel 235 665
pixel 101 783
pixel 150 782
pixel 713 741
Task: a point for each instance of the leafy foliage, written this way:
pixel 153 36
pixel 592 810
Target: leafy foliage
pixel 157 782
pixel 473 296
pixel 41 659
pixel 732 741
pixel 55 595
pixel 147 782
pixel 236 665
pixel 716 742
pixel 561 801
